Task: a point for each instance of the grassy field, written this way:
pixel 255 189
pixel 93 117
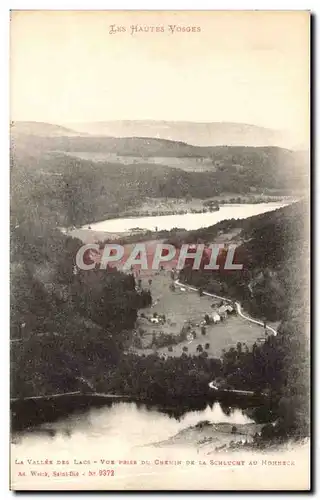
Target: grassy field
pixel 181 307
pixel 189 164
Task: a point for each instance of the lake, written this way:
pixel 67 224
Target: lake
pixel 187 221
pixel 123 438
pixel 123 431
pixel 125 425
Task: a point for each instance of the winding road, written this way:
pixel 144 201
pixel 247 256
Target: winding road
pixel 239 311
pixel 74 393
pixel 238 305
pixel 211 384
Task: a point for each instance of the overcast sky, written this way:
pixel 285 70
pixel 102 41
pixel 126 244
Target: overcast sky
pixel 241 67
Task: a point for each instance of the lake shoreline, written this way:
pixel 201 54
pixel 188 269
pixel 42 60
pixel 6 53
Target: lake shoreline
pixel 193 220
pixel 143 214
pixel 29 415
pixel 156 207
pixel 157 227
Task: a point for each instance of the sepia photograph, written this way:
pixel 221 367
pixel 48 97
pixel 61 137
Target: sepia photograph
pixel 159 250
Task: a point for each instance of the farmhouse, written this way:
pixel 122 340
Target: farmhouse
pixel 222 311
pixel 215 317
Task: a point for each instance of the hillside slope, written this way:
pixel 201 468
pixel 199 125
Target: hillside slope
pixel 275 256
pixel 41 129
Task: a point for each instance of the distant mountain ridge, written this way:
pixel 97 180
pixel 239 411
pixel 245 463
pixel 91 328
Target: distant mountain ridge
pixel 195 133
pixel 47 137
pixel 47 161
pixel 42 129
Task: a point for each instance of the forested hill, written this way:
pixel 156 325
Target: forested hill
pixel 71 191
pixel 55 173
pixel 274 253
pixel 74 191
pixel 273 285
pixel 291 216
pixel 220 156
pixel 69 323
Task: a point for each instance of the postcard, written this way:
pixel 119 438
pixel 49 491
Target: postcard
pixel 160 248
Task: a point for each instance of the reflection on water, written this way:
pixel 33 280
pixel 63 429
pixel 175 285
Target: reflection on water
pixel 188 221
pixel 116 437
pixel 122 426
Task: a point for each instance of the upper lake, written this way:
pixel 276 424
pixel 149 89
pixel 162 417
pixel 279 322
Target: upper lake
pixel 187 221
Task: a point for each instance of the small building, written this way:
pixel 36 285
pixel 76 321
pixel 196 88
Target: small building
pixel 216 317
pixel 223 312
pixel 155 321
pixel 222 309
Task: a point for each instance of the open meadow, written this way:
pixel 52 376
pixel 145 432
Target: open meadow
pixel 182 308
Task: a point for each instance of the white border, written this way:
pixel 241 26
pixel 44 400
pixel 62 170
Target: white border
pixel 5 6
pixel 162 5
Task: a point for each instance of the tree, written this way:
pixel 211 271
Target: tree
pixel 146 298
pixel 154 339
pixel 267 432
pixel 199 348
pixel 207 346
pixel 137 342
pixel 203 330
pixel 204 355
pixel 239 348
pixel 140 332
